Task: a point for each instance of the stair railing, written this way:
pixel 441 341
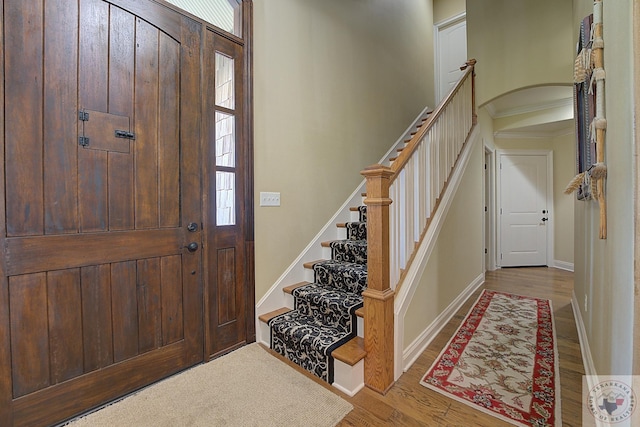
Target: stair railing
pixel 400 202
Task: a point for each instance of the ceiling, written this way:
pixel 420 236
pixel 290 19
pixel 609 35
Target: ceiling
pixel 541 101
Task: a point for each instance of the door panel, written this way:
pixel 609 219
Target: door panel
pixel 452 53
pixel 99 295
pixel 524 205
pixel 225 214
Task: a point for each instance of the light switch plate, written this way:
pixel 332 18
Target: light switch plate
pixel 269 199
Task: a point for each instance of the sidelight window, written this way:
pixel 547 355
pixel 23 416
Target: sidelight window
pixel 225 139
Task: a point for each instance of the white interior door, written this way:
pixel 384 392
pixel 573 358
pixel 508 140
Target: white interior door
pixel 451 53
pixel 524 214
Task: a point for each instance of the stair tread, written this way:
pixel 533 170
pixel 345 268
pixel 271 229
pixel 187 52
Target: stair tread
pixel 350 353
pixel 360 312
pixel 289 289
pixel 358 242
pixel 310 264
pixel 296 318
pixel 270 315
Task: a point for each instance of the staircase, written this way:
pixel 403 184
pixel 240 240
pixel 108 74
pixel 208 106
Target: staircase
pixel 323 327
pixel 345 311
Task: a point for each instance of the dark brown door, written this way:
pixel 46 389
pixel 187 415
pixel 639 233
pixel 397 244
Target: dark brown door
pixel 101 284
pixel 226 193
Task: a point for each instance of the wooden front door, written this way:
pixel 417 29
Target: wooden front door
pixel 101 284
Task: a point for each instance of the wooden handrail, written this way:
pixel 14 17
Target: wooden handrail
pixel 408 151
pixel 441 150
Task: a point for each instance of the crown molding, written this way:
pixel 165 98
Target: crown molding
pixel 564 102
pixel 514 134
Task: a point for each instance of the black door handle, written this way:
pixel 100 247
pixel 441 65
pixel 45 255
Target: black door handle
pixel 192 247
pixel 545 219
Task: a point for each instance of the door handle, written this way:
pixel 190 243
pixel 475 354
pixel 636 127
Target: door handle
pixel 192 247
pixel 545 219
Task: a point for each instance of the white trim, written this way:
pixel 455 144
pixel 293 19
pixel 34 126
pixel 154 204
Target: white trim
pixel 489 236
pixel 531 108
pixel 416 269
pixel 451 20
pixel 563 265
pixel 532 134
pixel 585 350
pixel 419 345
pixel 550 207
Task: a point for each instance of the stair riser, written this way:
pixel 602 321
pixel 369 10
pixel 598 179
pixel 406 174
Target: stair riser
pixel 349 253
pixel 348 379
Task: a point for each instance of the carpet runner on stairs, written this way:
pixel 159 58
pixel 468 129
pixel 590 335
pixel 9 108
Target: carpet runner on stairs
pixel 324 316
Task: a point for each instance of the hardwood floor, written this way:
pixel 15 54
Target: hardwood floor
pixel 410 404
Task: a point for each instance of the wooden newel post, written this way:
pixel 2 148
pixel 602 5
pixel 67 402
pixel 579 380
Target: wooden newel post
pixel 378 297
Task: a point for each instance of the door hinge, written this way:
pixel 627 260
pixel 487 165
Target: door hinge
pixel 83 115
pixel 83 140
pixel 485 250
pixel 485 208
pixel 500 256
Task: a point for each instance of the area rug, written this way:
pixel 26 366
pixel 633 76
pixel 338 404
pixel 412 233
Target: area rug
pixel 503 361
pixel 247 387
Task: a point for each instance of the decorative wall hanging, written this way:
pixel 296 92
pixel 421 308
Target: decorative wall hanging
pixel 589 77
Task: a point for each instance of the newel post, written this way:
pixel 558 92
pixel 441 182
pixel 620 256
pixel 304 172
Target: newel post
pixel 472 63
pixel 378 297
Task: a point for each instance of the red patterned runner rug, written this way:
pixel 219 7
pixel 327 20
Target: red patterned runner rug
pixel 503 361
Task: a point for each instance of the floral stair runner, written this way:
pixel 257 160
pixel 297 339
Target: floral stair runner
pixel 324 311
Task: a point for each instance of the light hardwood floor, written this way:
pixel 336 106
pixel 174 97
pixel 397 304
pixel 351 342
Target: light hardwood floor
pixel 410 404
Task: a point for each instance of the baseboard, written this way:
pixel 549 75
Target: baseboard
pixel 563 265
pixel 417 347
pixel 587 360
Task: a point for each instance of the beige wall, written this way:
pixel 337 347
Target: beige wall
pixel 445 9
pixel 604 268
pixel 336 83
pixel 457 259
pixel 519 44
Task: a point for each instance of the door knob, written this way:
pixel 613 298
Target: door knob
pixel 192 227
pixel 192 247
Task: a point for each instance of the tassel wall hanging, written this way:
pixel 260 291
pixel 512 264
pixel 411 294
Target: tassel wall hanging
pixel 596 174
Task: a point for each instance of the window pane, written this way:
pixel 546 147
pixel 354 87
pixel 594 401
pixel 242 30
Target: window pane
pixel 224 81
pixel 225 198
pixel 224 14
pixel 225 140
